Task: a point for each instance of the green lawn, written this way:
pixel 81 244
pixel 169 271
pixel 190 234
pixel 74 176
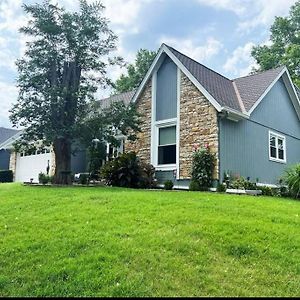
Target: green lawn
pixel 117 242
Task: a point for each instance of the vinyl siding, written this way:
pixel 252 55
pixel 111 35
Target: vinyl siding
pixel 244 146
pixel 4 159
pixel 166 93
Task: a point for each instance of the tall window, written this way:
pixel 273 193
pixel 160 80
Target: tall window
pixel 277 147
pixel 167 145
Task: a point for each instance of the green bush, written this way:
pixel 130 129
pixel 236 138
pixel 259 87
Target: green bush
pixel 83 178
pixel 6 176
pixel 127 171
pixel 168 185
pixel 221 188
pixel 242 183
pixel 202 167
pixel 194 186
pixel 44 179
pixel 292 179
pixel 269 191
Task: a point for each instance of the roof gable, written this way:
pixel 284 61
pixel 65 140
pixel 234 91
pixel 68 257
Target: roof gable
pixel 218 86
pixel 238 97
pixel 252 87
pixel 6 133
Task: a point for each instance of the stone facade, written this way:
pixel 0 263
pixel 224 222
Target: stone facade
pixel 198 126
pixel 142 145
pixel 13 162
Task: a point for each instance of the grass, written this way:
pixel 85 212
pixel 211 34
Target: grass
pixel 117 242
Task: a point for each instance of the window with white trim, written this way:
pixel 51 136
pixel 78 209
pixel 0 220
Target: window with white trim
pixel 277 147
pixel 167 145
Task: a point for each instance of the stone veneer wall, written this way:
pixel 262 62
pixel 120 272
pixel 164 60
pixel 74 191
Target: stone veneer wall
pixel 198 126
pixel 142 145
pixel 13 163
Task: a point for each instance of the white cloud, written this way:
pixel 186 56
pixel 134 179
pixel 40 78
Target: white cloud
pixel 236 6
pixel 264 13
pixel 192 47
pixel 8 96
pixel 252 13
pixel 240 63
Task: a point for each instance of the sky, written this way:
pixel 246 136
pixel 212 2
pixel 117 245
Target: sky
pixel 218 33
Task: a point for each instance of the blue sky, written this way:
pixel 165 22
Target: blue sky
pixel 217 33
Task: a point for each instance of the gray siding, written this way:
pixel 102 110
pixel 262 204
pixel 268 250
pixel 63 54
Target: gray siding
pixel 244 146
pixel 166 94
pixel 4 159
pixel 163 176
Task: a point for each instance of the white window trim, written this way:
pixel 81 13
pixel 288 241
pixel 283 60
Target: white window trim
pixel 283 138
pixel 156 125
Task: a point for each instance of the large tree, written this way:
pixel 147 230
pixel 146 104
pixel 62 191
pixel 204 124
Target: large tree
pixel 285 45
pixel 135 72
pixel 65 62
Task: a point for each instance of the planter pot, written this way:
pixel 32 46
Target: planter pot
pixel 253 192
pixel 235 191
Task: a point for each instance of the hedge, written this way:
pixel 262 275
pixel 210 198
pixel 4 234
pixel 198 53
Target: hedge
pixel 6 176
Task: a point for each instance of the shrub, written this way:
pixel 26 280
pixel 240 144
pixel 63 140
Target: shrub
pixel 44 179
pixel 168 185
pixel 127 171
pixel 269 191
pixel 147 176
pixel 202 167
pixel 221 188
pixel 292 179
pixel 194 186
pixel 6 176
pixel 83 178
pixel 242 183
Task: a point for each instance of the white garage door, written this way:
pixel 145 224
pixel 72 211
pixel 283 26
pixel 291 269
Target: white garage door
pixel 29 167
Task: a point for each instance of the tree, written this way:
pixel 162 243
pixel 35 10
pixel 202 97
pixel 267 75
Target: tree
pixel 285 47
pixel 65 62
pixel 104 126
pixel 135 72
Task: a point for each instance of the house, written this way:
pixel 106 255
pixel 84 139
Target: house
pixel 5 134
pixel 252 123
pixel 27 165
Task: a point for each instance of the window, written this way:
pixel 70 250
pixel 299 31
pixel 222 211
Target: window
pixel 167 145
pixel 277 147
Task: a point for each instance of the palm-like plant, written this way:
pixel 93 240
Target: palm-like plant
pixel 292 179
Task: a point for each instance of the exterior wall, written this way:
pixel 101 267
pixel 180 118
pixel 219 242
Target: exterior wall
pixel 79 162
pixel 198 126
pixel 4 159
pixel 13 162
pixel 142 145
pixel 244 146
pixel 166 91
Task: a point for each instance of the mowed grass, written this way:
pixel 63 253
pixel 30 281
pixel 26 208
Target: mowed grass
pixel 118 242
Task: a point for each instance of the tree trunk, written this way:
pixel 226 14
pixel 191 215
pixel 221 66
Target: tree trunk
pixel 62 150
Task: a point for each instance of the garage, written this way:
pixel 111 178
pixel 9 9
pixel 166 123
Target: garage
pixel 29 165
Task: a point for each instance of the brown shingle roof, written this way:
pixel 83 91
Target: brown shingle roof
pixel 217 85
pixel 252 87
pixel 125 97
pixel 6 133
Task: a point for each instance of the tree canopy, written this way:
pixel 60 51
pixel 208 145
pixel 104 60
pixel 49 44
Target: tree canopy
pixel 135 72
pixel 285 45
pixel 64 64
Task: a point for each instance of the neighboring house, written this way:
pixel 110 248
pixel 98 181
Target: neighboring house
pixel 5 134
pixel 252 123
pixel 27 165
